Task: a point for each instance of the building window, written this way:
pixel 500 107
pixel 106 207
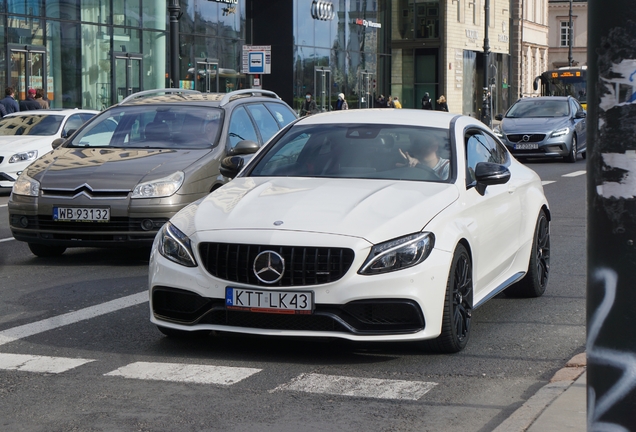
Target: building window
pixel 565 33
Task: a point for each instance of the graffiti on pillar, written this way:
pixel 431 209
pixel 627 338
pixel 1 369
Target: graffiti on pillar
pixel 598 405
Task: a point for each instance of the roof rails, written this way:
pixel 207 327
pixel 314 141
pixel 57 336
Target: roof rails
pixel 147 93
pixel 253 92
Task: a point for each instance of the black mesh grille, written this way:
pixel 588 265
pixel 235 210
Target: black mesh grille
pixel 386 316
pixel 114 225
pixel 515 138
pixel 303 265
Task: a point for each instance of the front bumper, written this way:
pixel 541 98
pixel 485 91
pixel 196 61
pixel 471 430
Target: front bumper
pixel 398 306
pixel 547 148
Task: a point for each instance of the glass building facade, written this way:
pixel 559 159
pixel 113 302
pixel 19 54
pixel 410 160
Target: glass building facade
pixel 93 53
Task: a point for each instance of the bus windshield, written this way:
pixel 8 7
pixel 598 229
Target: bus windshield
pixel 565 82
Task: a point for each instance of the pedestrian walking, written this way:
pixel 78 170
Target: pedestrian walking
pixel 9 102
pixel 30 104
pixel 427 103
pixel 396 103
pixel 342 103
pixel 309 106
pixel 39 98
pixel 441 104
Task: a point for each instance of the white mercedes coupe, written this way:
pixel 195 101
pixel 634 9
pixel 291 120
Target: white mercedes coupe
pixel 367 225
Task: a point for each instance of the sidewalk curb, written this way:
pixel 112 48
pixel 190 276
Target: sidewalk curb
pixel 527 413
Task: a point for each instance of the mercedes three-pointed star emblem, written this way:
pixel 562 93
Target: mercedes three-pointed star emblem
pixel 269 267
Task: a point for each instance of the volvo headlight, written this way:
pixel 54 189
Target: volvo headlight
pixel 498 132
pixel 25 185
pixel 398 254
pixel 159 188
pixel 175 245
pixel 560 132
pixel 24 156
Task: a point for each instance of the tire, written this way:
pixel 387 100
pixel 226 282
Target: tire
pixel 46 251
pixel 458 305
pixel 584 154
pixel 535 282
pixel 573 151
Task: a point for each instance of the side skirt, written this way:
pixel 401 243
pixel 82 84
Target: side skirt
pixel 512 279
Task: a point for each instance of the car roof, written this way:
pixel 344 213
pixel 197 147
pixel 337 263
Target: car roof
pixel 404 117
pixel 531 99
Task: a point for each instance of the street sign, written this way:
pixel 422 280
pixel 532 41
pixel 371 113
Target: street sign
pixel 257 59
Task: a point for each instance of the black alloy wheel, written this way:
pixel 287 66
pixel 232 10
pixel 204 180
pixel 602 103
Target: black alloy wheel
pixel 535 282
pixel 458 305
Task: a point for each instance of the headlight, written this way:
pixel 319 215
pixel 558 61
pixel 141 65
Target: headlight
pixel 498 132
pixel 25 185
pixel 176 246
pixel 560 132
pixel 25 156
pixel 398 254
pixel 159 188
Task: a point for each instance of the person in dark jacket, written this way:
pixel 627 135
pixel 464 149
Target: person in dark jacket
pixel 9 102
pixel 30 103
pixel 427 104
pixel 441 104
pixel 3 111
pixel 309 106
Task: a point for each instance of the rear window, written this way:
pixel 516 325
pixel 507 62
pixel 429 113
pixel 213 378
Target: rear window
pixel 30 124
pixel 164 127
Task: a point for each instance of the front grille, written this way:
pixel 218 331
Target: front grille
pixel 116 224
pixel 386 316
pixel 515 138
pixel 1 159
pixel 96 194
pixel 303 265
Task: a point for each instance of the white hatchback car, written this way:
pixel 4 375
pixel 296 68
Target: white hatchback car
pixel 27 135
pixel 367 225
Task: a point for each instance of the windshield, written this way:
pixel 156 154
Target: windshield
pixel 539 108
pixel 359 151
pixel 162 127
pixel 31 124
pixel 575 87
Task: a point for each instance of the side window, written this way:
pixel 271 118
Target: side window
pixel 282 113
pixel 86 116
pixel 499 152
pixel 573 108
pixel 241 127
pixel 73 123
pixel 264 121
pixel 479 149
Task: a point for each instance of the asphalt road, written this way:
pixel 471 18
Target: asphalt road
pixel 77 352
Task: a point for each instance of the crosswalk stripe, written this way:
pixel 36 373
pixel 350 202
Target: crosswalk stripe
pixel 43 364
pixel 574 174
pixel 360 387
pixel 202 374
pixel 547 182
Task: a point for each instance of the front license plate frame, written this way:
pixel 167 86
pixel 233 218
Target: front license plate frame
pixel 279 302
pixel 526 146
pixel 81 214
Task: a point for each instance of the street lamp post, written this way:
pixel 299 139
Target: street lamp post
pixel 570 37
pixel 174 9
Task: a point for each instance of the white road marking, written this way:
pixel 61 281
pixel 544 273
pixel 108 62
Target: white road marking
pixel 31 329
pixel 201 374
pixel 575 174
pixel 43 364
pixel 6 239
pixel 3 205
pixel 547 182
pixel 360 387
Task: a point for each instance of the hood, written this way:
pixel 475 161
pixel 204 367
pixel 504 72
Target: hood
pixel 376 210
pixel 12 144
pixel 106 168
pixel 533 125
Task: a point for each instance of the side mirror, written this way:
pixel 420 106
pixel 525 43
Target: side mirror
pixel 244 147
pixel 499 117
pixel 231 166
pixel 58 142
pixel 488 174
pixel 580 114
pixel 69 133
